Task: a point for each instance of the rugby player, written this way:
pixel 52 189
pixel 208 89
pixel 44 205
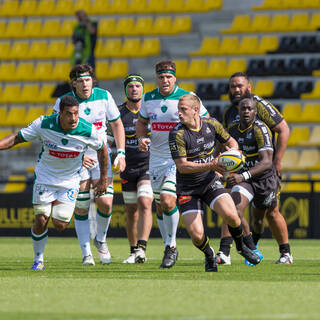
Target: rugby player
pixel 97 106
pixel 159 108
pixel 65 138
pixel 135 180
pixel 239 88
pixel 192 144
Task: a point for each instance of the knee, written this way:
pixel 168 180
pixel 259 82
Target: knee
pixel 59 225
pixel 40 223
pixel 196 236
pixel 272 213
pixel 167 204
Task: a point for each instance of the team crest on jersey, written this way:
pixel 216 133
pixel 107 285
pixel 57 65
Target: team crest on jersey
pixel 72 194
pixel 184 199
pixel 164 109
pixel 87 111
pixel 64 141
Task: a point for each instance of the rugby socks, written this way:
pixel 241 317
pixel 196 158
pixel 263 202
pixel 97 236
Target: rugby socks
pixel 284 248
pixel 132 249
pixel 256 237
pixel 248 241
pixel 103 222
pixel 226 245
pixel 39 242
pixel 142 244
pixel 205 247
pixel 171 220
pixel 162 228
pixel 237 235
pixel 82 226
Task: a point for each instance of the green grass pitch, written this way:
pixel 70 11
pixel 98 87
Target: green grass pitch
pixel 67 290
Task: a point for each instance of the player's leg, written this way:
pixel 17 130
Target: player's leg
pixel 191 210
pixel 145 198
pixel 81 220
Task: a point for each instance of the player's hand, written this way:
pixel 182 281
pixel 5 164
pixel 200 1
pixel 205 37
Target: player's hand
pixel 278 166
pixel 101 187
pixel 143 144
pixel 88 162
pixel 218 167
pixel 119 163
pixel 234 178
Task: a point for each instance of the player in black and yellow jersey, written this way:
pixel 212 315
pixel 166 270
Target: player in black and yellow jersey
pixel 239 88
pixel 135 180
pixel 192 144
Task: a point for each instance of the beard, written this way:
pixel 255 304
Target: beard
pixel 235 100
pixel 134 100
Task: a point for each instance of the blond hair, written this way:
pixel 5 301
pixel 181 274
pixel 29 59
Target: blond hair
pixel 192 98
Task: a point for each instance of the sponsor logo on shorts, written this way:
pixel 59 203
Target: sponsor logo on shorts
pixel 163 126
pixel 63 154
pixel 184 199
pixel 98 125
pixel 267 201
pixel 72 194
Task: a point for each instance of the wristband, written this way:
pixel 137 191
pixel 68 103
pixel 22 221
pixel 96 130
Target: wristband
pixel 121 151
pixel 139 139
pixel 246 175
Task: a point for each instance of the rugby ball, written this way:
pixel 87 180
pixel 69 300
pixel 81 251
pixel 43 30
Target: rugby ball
pixel 232 159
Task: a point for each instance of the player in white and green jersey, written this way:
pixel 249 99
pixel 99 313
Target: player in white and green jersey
pixel 65 137
pixel 98 107
pixel 159 108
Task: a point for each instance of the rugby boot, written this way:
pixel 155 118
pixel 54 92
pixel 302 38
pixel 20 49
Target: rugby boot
pixel 249 255
pixel 285 258
pixel 170 257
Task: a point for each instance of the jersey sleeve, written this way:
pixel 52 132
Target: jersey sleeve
pixel 56 107
pixel 32 131
pixel 112 111
pixel 267 112
pixel 143 110
pixel 95 141
pixel 222 134
pixel 263 137
pixel 177 144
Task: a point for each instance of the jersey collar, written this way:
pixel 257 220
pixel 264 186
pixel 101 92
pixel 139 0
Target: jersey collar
pixel 169 95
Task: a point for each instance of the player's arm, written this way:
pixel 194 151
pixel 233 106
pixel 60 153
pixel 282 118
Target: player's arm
pixel 120 139
pixel 10 141
pixel 103 159
pixel 142 134
pixel 283 131
pixel 231 144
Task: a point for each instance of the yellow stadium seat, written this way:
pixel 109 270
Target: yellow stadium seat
pixel 197 69
pixel 99 50
pixel 38 50
pixel 49 111
pixel 279 22
pixel 101 7
pixel 316 186
pixel 181 67
pixel 124 24
pixel 34 113
pixel 102 68
pixel 292 112
pixel 57 49
pixel 45 8
pixel 3 120
pixel 119 6
pixel 118 69
pixel 9 8
pixel 240 23
pixel 66 28
pixel 291 4
pixel 162 25
pixel 8 71
pixel 83 5
pixel 64 8
pixel 61 71
pixel 5 48
pixel 299 22
pixel 193 6
pixel 217 68
pixel 236 65
pixel 248 45
pixel 228 46
pixel 209 46
pixel 260 23
pixel 14 29
pixel 187 85
pixel 31 29
pixel 45 94
pixel 264 88
pixel 4 132
pixel 43 71
pixel 267 43
pixel 28 92
pixel 290 160
pixel 137 6
pixel 112 47
pixel 309 160
pixel 149 86
pixel 298 135
pixel 25 71
pixel 181 24
pixel 27 8
pixel 314 140
pixel 268 4
pixel 310 113
pixel 130 48
pixel 174 6
pixel 212 4
pixel 313 4
pixel 297 186
pixel 143 26
pixel 314 22
pixel 3 26
pixel 150 46
pixel 107 27
pixel 13 186
pixel 50 28
pixel 156 6
pixel 19 50
pixel 16 116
